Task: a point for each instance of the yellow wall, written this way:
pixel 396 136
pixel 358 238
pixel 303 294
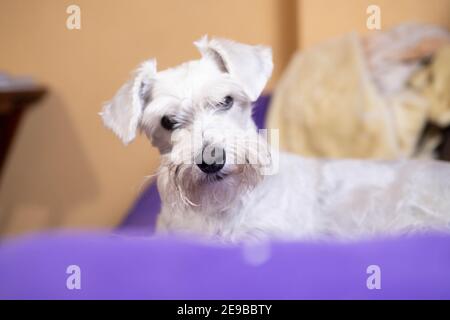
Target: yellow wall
pixel 322 19
pixel 65 167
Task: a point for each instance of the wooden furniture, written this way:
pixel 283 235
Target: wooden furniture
pixel 13 103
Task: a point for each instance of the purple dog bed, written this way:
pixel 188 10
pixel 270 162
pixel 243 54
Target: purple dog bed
pixel 125 266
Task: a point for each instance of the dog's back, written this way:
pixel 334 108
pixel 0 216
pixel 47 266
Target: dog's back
pixel 351 198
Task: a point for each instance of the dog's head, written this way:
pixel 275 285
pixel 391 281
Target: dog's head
pixel 198 115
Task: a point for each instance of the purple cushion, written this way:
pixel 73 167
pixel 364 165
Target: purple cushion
pixel 119 267
pixel 142 216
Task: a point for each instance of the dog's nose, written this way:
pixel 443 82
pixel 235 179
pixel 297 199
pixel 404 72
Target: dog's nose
pixel 213 159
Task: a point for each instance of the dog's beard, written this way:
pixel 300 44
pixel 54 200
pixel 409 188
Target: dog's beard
pixel 184 186
pixel 218 192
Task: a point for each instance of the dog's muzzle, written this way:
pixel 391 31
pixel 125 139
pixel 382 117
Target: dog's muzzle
pixel 212 160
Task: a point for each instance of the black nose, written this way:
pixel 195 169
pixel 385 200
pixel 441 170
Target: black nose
pixel 213 159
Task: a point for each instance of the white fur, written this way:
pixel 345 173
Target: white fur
pixel 305 198
pixel 122 115
pixel 318 199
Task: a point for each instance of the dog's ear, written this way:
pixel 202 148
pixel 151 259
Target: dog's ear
pixel 250 65
pixel 123 113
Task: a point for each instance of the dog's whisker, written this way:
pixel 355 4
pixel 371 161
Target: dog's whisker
pixel 146 180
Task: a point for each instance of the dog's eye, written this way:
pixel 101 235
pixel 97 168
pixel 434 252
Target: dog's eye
pixel 226 103
pixel 168 123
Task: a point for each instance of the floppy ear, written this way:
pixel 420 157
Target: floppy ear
pixel 250 65
pixel 123 113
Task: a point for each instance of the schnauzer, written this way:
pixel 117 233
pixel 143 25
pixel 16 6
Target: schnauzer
pixel 221 178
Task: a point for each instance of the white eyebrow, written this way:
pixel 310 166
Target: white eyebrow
pixel 217 91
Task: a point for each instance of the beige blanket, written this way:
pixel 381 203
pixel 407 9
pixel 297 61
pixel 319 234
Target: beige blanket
pixel 327 105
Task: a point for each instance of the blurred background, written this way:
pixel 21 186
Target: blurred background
pixel 63 168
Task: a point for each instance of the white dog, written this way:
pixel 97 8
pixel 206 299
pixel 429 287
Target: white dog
pixel 219 178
